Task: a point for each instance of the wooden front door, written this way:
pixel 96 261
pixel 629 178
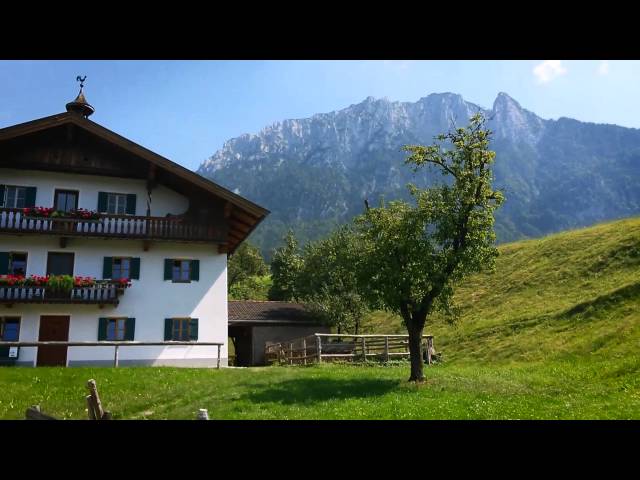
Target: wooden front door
pixel 60 263
pixel 53 328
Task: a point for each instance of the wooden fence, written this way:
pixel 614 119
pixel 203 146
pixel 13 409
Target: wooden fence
pixel 322 347
pixel 116 344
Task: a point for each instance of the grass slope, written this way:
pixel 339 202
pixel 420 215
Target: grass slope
pixel 569 296
pixel 552 333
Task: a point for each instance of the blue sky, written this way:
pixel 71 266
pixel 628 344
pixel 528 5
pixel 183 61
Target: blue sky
pixel 185 110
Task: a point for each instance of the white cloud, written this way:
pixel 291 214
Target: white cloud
pixel 548 70
pixel 603 68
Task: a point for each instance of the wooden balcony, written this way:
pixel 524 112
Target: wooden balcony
pixel 13 220
pixel 102 293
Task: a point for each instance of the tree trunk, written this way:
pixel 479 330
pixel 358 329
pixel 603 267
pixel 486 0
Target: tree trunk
pixel 415 353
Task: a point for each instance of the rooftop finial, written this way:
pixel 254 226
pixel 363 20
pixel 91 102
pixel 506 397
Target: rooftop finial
pixel 80 104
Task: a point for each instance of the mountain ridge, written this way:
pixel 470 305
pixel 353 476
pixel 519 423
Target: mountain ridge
pixel 314 173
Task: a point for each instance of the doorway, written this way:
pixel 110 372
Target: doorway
pixel 53 328
pixel 60 263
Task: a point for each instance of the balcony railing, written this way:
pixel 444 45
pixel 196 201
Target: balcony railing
pixel 101 293
pixel 13 220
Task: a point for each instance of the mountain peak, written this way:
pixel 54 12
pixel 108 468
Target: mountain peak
pixel 503 100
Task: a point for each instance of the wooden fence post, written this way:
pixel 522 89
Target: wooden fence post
pixel 364 349
pixel 290 353
pixel 218 362
pixel 115 357
pixel 304 350
pixel 429 347
pixel 386 349
pixel 319 348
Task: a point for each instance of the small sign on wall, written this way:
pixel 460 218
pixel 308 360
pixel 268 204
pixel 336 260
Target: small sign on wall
pixel 13 352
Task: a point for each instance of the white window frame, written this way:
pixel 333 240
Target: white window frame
pixel 120 201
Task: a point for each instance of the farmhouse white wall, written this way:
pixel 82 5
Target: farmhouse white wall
pixel 149 300
pixel 163 200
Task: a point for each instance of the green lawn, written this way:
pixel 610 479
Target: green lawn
pixel 554 332
pixel 550 390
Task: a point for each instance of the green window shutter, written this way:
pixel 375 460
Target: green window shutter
pixel 1 195
pixel 168 268
pixel 135 268
pixel 168 329
pixel 4 263
pixel 193 329
pixel 102 329
pixel 131 204
pixel 129 328
pixel 195 270
pixel 107 267
pixel 30 197
pixel 102 202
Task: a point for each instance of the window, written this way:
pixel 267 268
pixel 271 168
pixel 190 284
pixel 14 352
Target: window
pixel 9 329
pixel 181 270
pixel 66 200
pixel 121 268
pixel 181 329
pixel 116 203
pixel 17 264
pixel 116 328
pixel 15 197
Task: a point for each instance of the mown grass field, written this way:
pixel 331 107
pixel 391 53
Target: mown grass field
pixel 553 333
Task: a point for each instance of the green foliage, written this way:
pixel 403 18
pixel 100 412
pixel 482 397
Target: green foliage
pixel 246 262
pixel 285 266
pixel 251 288
pixel 413 255
pixel 60 284
pixel 327 282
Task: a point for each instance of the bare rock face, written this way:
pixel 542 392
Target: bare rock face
pixel 314 173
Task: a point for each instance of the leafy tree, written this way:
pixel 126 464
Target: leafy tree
pixel 411 256
pixel 252 288
pixel 246 262
pixel 285 266
pixel 327 282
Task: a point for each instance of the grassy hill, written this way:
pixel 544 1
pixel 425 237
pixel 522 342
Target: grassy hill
pixel 567 296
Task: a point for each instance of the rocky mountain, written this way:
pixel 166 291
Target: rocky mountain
pixel 314 173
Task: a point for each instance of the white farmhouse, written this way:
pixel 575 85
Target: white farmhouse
pixel 151 236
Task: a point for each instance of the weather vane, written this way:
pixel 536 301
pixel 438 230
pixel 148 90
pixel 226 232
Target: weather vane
pixel 81 80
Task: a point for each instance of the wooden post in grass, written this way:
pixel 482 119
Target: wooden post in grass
pixel 290 353
pixel 218 362
pixel 95 410
pixel 203 414
pixel 319 348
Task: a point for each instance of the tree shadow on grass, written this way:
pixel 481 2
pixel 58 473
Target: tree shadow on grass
pixel 310 390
